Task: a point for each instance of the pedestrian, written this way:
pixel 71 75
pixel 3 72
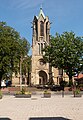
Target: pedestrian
pixel 3 85
pixel 6 83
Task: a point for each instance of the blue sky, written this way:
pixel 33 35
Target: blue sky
pixel 65 15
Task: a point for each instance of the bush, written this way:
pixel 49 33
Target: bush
pixel 0 94
pixel 80 85
pixel 23 90
pixel 77 91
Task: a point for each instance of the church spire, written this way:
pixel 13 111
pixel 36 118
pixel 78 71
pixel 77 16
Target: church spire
pixel 41 12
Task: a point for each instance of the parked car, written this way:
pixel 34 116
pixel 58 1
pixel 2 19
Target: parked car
pixel 42 86
pixel 56 88
pixel 81 88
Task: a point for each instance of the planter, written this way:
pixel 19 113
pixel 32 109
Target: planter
pixel 23 96
pixel 0 96
pixel 77 95
pixel 47 95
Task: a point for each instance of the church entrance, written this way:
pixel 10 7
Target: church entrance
pixel 42 78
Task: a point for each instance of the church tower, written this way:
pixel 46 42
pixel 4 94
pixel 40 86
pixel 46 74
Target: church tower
pixel 40 38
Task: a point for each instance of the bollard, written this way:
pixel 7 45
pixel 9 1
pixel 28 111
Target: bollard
pixel 63 93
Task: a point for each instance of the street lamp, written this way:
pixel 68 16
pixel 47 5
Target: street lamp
pixel 21 61
pixel 21 73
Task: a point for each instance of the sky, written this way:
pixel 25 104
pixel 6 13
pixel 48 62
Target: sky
pixel 65 15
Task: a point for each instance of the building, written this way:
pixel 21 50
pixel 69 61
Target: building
pixel 79 78
pixel 41 72
pixel 40 38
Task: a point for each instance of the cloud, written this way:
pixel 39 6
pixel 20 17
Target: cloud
pixel 25 4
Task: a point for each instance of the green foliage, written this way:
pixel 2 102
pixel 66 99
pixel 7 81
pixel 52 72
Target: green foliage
pixel 0 93
pixel 80 85
pixel 70 83
pixel 63 83
pixel 77 91
pixel 46 91
pixel 23 90
pixel 12 47
pixel 65 52
pixel 26 65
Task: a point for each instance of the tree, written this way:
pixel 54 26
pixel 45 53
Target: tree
pixel 12 47
pixel 65 52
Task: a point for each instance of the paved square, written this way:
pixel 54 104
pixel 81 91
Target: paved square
pixel 39 108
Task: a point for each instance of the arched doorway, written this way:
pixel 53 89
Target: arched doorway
pixel 42 77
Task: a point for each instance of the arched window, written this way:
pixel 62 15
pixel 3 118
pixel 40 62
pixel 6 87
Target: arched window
pixel 39 47
pixel 42 62
pixel 60 71
pixel 46 30
pixel 41 28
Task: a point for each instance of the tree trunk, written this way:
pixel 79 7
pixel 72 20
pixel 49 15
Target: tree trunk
pixel 69 73
pixel 70 81
pixel 50 74
pixel 70 78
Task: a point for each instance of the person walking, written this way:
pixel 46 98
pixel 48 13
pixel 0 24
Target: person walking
pixel 3 85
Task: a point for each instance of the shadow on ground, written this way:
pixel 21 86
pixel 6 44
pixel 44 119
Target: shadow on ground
pixel 5 119
pixel 49 118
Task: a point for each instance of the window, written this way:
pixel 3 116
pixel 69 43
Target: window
pixel 39 47
pixel 60 72
pixel 42 62
pixel 41 28
pixel 46 30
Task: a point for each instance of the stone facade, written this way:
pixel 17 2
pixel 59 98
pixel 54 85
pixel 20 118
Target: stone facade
pixel 40 38
pixel 41 71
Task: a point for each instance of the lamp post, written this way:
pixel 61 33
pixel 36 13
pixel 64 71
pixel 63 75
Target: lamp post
pixel 21 61
pixel 21 73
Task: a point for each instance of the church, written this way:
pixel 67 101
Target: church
pixel 41 72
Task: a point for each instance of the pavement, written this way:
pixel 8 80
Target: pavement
pixel 39 108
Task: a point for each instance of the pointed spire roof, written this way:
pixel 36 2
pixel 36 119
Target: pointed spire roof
pixel 41 13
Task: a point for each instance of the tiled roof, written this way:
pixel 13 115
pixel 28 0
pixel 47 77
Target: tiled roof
pixel 80 76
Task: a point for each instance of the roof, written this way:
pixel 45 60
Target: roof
pixel 41 13
pixel 80 76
